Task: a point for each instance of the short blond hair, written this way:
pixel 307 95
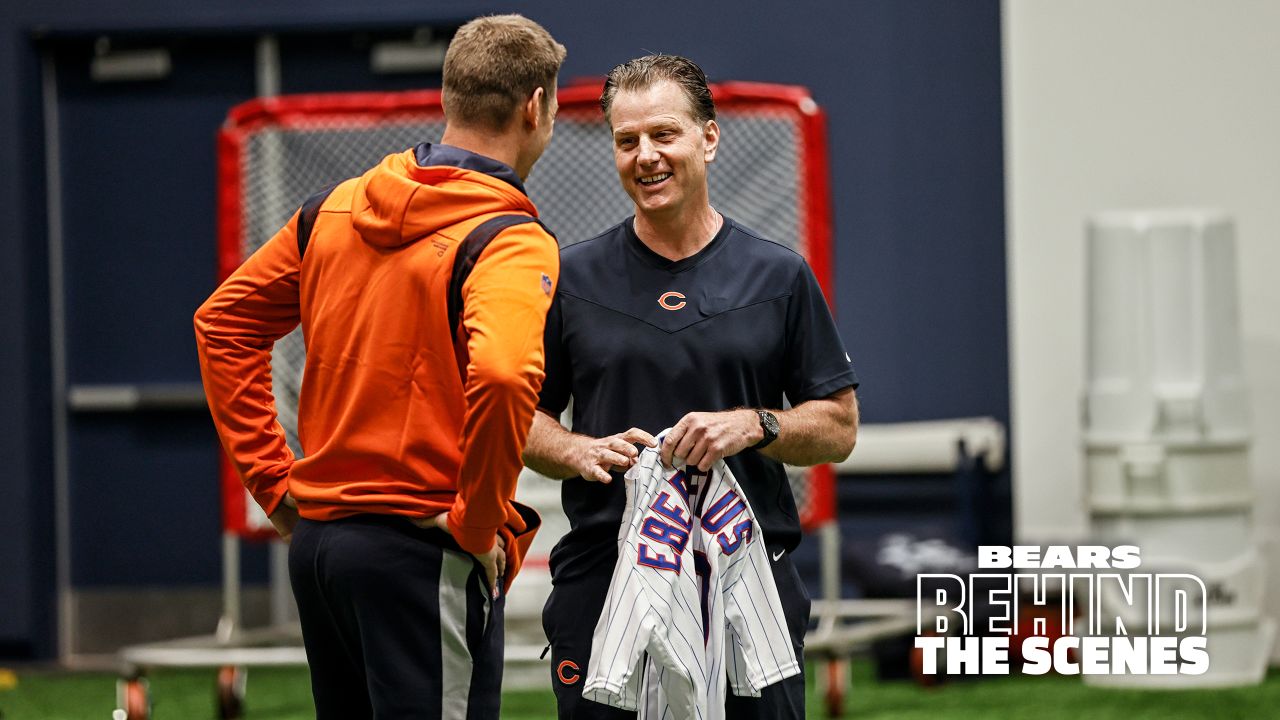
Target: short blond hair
pixel 492 65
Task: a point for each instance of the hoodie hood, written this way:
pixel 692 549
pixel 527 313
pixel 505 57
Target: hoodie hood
pixel 416 193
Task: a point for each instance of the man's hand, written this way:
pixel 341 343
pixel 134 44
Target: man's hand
pixel 595 457
pixel 702 438
pixel 494 562
pixel 285 517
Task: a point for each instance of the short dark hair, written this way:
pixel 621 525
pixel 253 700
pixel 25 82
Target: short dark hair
pixel 646 71
pixel 492 65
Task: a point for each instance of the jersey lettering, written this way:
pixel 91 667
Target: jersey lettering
pixel 736 538
pixel 662 506
pixel 674 536
pixel 647 557
pixel 681 484
pixel 665 533
pixel 723 511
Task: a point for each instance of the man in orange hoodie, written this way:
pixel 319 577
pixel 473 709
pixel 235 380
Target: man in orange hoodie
pixel 422 288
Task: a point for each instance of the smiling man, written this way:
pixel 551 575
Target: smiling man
pixel 680 317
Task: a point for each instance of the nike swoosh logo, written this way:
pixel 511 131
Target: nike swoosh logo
pixel 779 555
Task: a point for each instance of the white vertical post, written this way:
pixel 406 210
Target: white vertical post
pixel 230 623
pixel 281 601
pixel 268 66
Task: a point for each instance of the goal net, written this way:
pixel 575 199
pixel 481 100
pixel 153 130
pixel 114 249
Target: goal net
pixel 770 174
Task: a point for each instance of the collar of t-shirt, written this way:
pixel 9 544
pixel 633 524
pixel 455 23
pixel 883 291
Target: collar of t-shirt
pixel 652 258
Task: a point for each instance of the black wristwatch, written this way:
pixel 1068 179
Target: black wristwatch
pixel 769 424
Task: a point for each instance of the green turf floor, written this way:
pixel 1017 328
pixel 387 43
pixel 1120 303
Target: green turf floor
pixel 283 694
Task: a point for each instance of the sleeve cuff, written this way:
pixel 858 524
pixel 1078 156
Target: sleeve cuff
pixel 826 388
pixel 269 498
pixel 476 541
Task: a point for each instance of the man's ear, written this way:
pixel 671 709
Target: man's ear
pixel 532 112
pixel 711 136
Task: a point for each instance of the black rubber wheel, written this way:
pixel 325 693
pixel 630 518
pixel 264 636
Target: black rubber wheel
pixel 231 686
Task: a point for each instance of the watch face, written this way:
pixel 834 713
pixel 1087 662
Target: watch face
pixel 769 422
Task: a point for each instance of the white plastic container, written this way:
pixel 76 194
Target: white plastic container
pixel 1237 657
pixel 1233 589
pixel 1163 340
pixel 1166 436
pixel 1216 537
pixel 1168 477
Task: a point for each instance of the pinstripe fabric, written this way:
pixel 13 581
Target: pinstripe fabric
pixel 684 620
pixel 652 609
pixel 748 643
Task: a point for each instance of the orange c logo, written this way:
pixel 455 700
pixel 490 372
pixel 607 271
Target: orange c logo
pixel 667 298
pixel 571 677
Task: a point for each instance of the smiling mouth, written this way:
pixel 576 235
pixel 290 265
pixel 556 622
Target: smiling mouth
pixel 653 179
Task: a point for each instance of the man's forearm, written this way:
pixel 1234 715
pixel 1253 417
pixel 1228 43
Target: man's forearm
pixel 816 431
pixel 549 447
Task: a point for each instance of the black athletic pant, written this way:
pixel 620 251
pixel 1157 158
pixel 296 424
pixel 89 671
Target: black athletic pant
pixel 569 619
pixel 397 622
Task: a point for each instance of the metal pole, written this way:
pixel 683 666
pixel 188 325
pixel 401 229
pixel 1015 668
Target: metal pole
pixel 282 607
pixel 58 360
pixel 230 623
pixel 268 66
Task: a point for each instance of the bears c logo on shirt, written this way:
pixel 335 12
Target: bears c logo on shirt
pixel 671 300
pixel 568 672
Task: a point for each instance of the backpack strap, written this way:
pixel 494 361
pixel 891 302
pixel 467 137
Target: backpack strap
pixel 469 252
pixel 307 218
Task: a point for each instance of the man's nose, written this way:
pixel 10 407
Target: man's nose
pixel 648 152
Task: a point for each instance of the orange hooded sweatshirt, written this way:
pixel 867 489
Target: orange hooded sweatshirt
pixel 397 414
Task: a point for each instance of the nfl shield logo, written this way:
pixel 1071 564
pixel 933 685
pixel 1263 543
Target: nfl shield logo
pixel 546 284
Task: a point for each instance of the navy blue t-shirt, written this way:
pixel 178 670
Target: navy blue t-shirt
pixel 638 340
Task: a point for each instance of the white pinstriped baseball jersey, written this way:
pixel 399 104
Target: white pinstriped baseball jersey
pixel 742 636
pixel 653 606
pixel 747 638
